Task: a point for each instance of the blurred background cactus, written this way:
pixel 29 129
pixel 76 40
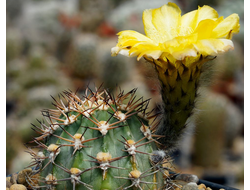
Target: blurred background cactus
pixel 57 45
pixel 82 57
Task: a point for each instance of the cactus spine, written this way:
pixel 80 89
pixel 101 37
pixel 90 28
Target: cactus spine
pixel 98 142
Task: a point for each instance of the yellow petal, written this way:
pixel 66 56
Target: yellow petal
pixel 205 28
pixel 125 52
pixel 182 47
pixel 144 48
pixel 191 20
pixel 228 45
pixel 130 34
pixel 114 51
pixel 206 12
pixel 188 23
pixel 127 40
pixel 188 52
pixel 149 28
pixel 226 27
pixel 213 46
pixel 180 43
pixel 155 54
pixel 161 24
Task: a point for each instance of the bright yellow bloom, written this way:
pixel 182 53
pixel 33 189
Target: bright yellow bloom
pixel 178 46
pixel 170 36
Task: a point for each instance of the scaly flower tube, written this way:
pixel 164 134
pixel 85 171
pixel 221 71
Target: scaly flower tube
pixel 178 46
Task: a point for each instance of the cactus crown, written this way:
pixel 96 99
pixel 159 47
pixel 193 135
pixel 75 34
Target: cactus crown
pixel 99 141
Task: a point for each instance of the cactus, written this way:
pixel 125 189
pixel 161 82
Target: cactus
pixel 105 142
pixel 98 142
pixel 82 57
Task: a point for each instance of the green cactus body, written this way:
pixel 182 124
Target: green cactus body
pixel 99 142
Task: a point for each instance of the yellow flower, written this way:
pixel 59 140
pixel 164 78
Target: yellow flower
pixel 170 36
pixel 178 46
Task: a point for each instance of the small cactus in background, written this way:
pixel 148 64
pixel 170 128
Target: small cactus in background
pixel 82 57
pixel 210 123
pixel 117 75
pixel 98 142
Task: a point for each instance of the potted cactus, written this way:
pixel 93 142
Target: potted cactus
pixel 112 141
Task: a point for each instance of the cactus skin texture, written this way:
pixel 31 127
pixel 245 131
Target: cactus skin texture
pixel 98 142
